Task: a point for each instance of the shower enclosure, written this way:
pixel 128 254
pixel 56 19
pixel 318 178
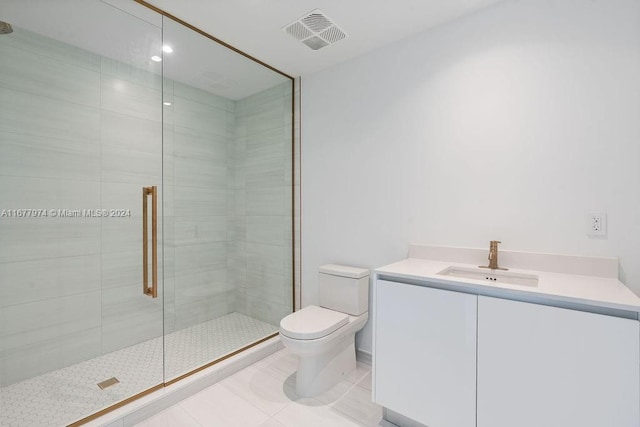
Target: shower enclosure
pixel 145 205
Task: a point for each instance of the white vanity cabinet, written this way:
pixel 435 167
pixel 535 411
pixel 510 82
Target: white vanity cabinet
pixel 555 367
pixel 446 358
pixel 425 353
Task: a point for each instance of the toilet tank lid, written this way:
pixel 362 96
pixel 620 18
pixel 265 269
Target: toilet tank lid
pixel 344 271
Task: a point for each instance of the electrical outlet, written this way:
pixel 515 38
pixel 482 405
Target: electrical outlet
pixel 596 223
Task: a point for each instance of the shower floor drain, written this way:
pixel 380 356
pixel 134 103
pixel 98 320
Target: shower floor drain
pixel 108 383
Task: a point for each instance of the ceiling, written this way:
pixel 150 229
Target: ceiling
pixel 133 37
pixel 255 26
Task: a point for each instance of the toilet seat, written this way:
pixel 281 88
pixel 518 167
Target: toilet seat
pixel 312 322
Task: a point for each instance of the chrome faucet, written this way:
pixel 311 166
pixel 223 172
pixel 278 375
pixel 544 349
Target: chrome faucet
pixel 493 256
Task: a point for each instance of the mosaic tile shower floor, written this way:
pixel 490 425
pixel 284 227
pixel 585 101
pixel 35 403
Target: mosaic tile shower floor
pixel 61 397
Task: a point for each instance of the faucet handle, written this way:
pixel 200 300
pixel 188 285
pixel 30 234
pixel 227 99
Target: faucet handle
pixel 493 256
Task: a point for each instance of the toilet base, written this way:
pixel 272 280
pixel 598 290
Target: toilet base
pixel 318 373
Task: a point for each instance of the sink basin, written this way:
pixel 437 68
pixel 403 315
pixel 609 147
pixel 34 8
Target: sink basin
pixel 491 276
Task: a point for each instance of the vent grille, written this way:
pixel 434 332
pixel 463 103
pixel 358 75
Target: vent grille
pixel 315 30
pixel 317 22
pixel 315 43
pixel 333 34
pixel 299 31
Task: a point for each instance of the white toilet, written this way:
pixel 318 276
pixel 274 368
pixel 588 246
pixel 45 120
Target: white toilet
pixel 323 337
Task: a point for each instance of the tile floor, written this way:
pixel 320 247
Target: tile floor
pixel 263 395
pixel 68 394
pixel 197 345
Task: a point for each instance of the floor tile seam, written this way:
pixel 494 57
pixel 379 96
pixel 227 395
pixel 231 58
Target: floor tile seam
pixel 273 372
pixel 266 372
pixel 361 377
pixel 278 375
pixel 310 400
pixel 349 417
pixel 224 383
pixel 188 414
pixel 229 390
pixel 342 395
pixel 363 387
pixel 279 418
pixel 341 412
pixel 280 410
pixel 321 405
pixel 179 404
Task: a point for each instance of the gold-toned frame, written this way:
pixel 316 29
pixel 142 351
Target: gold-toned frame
pixel 293 223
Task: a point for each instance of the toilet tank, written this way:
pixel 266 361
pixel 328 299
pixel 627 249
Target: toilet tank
pixel 344 289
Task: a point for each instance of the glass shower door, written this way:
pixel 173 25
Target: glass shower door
pixel 228 205
pixel 80 146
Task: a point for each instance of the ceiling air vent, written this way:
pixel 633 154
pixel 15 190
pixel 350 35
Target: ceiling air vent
pixel 315 30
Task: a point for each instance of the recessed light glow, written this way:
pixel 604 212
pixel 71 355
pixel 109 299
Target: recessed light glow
pixel 156 58
pixel 166 103
pixel 166 48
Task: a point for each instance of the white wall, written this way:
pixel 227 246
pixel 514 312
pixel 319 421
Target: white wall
pixel 507 124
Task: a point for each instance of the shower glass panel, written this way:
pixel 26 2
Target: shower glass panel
pixel 228 200
pixel 145 205
pixel 80 136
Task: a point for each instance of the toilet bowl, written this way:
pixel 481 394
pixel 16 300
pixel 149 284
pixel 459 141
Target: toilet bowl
pixel 323 337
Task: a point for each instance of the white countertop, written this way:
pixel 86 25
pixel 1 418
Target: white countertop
pixel 570 288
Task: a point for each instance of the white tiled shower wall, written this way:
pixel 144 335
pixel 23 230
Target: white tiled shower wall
pixel 70 140
pixel 197 129
pixel 260 215
pixel 82 131
pixel 232 247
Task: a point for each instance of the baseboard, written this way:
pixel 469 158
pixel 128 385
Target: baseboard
pixel 400 420
pixel 364 356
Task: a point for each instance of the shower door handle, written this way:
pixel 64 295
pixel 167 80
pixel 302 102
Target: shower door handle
pixel 152 290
